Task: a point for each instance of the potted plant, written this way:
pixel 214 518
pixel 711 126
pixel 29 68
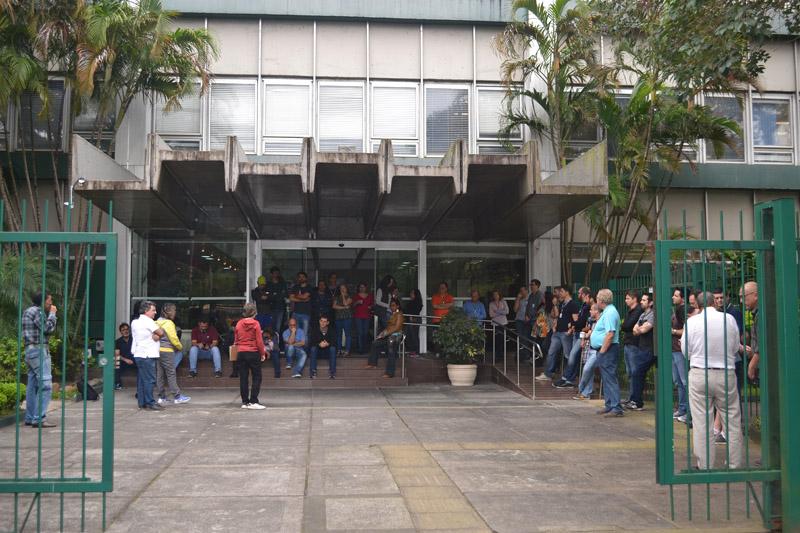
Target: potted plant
pixel 460 340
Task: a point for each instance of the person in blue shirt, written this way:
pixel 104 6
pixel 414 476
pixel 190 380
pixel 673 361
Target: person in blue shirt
pixel 605 339
pixel 295 340
pixel 474 307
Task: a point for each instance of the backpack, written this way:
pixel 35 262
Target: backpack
pixel 91 394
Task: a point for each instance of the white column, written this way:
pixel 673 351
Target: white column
pixel 546 261
pixel 422 276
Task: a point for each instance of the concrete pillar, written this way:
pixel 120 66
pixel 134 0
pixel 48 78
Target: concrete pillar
pixel 546 258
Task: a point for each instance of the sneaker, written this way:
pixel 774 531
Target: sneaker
pixel 542 377
pixel 297 375
pixel 192 373
pixel 245 406
pixel 613 414
pixel 720 439
pixel 181 399
pixel 563 384
pixel 313 374
pixel 161 401
pixel 602 412
pixel 681 419
pixel 633 406
pixel 288 367
pixel 217 374
pixel 580 397
pixel 256 406
pixel 676 413
pixel 331 377
pixel 117 387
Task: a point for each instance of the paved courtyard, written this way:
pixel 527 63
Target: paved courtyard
pixel 401 459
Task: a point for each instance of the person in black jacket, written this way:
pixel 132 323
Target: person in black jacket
pixel 570 377
pixel 323 339
pixel 413 307
pixel 630 341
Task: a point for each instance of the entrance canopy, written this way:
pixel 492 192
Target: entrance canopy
pixel 322 195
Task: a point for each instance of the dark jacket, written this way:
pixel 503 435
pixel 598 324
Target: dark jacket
pixel 317 337
pixel 627 326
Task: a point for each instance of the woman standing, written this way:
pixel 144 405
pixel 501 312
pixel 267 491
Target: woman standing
pixel 343 310
pixel 250 345
pixel 362 312
pixel 498 313
pixel 413 308
pixel 382 298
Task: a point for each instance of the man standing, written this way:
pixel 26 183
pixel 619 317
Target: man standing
pixel 323 339
pixel 123 358
pixel 643 359
pixel 711 340
pixel 630 342
pixel 205 344
pixel 562 336
pixel 260 297
pixel 535 300
pixel 679 376
pixel 295 340
pixel 38 323
pixel 750 296
pixel 165 369
pixel 277 291
pixel 578 328
pixel 300 296
pixel 605 339
pixel 441 302
pixel 522 322
pixel 146 346
pixel 474 307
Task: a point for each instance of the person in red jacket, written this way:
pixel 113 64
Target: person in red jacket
pixel 250 345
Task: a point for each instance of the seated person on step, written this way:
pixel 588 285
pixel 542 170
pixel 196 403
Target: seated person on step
pixel 205 344
pixel 323 340
pixel 294 338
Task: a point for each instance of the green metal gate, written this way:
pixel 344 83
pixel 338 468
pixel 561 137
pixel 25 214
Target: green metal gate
pixel 57 478
pixel 770 448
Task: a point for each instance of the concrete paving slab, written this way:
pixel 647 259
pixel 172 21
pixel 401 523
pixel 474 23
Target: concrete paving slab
pixel 367 514
pixel 354 455
pixel 241 481
pixel 350 480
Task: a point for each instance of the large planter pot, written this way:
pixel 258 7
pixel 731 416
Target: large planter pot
pixel 462 375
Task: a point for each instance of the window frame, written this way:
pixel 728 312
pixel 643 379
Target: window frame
pixel 747 147
pixel 415 140
pixel 63 145
pixel 791 149
pixel 424 115
pixel 264 137
pixel 341 83
pixel 477 114
pixel 252 81
pixel 201 136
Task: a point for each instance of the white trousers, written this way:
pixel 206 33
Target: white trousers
pixel 726 401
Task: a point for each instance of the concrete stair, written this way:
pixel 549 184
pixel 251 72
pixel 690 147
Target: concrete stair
pixel 350 374
pixel 506 375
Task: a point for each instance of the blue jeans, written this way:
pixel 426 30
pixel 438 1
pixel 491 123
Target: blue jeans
pixel 40 382
pixel 630 355
pixel 679 378
pixel 145 380
pixel 275 355
pixel 574 361
pixel 291 352
pixel 302 322
pixel 178 358
pixel 315 351
pixel 523 332
pixel 641 365
pixel 362 334
pixel 277 320
pixel 345 326
pixel 608 371
pixel 586 386
pixel 390 344
pixel 213 354
pixel 560 341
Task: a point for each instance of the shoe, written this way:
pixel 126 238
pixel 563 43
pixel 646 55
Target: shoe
pixel 563 384
pixel 181 399
pixel 331 377
pixel 602 412
pixel 217 374
pixel 297 375
pixel 614 414
pixel 370 367
pixel 720 439
pixel 676 413
pixel 313 374
pixel 387 376
pixel 256 406
pixel 245 406
pixel 42 424
pixel 633 406
pixel 681 419
pixel 161 401
pixel 117 387
pixel 542 377
pixel 153 407
pixel 580 397
pixel 288 367
pixel 192 374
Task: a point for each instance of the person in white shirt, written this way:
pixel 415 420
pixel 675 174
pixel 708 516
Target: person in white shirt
pixel 146 336
pixel 711 341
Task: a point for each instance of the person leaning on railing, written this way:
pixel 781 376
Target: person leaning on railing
pixel 388 339
pixel 498 313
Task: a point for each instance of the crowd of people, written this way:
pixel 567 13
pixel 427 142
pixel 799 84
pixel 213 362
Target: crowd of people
pixel 710 344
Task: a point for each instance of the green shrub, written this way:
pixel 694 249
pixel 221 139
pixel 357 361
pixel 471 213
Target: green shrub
pixel 459 338
pixel 9 349
pixel 8 395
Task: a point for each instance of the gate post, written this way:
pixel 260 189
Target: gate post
pixel 776 221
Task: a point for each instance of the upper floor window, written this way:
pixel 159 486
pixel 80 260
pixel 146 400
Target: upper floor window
pixel 232 112
pixel 395 112
pixel 182 128
pixel 341 117
pixel 772 131
pixel 39 130
pixel 728 107
pixel 287 116
pixel 492 108
pixel 446 117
